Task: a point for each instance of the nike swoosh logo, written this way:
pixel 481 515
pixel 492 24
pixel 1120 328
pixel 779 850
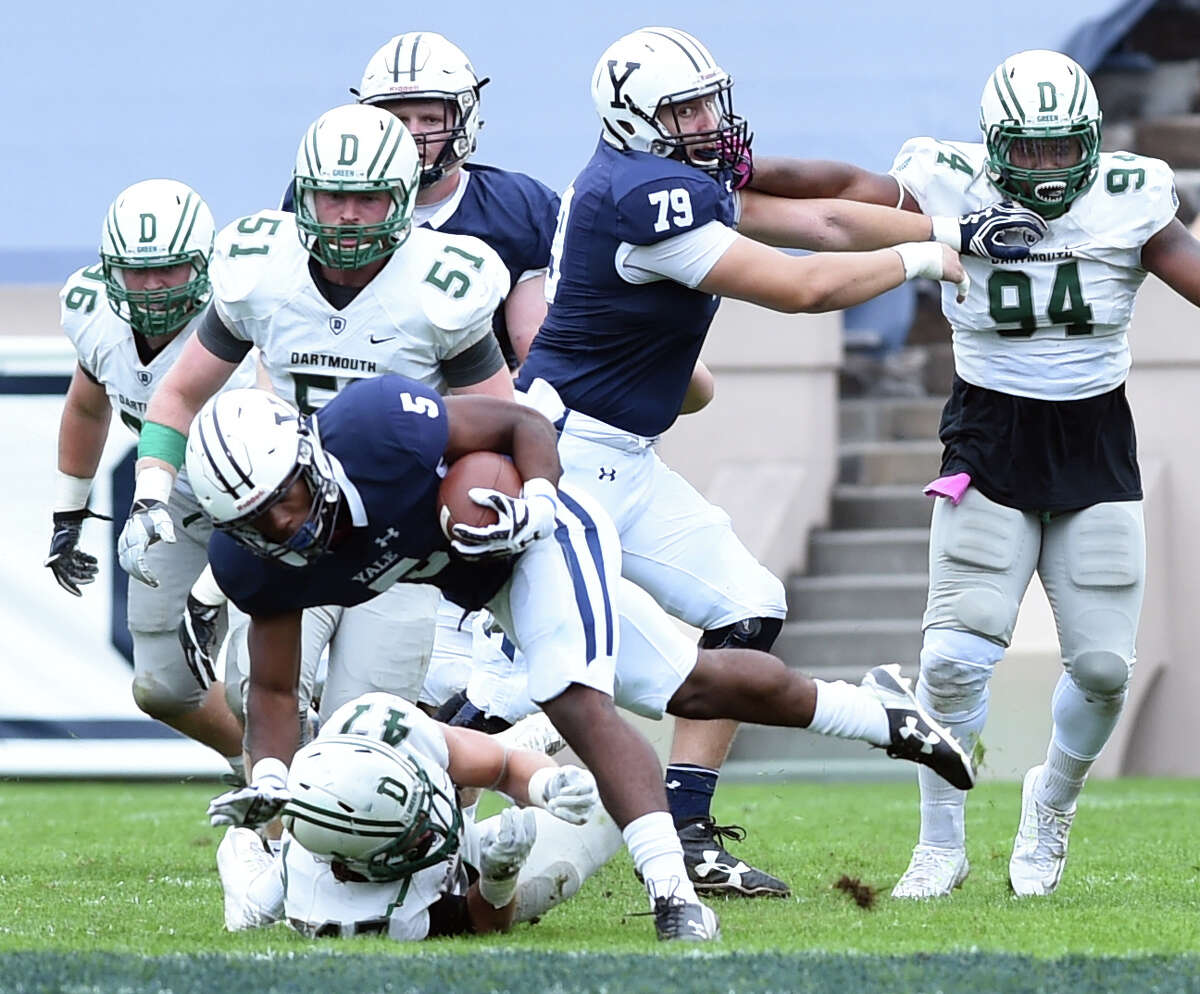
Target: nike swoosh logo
pixel 380 341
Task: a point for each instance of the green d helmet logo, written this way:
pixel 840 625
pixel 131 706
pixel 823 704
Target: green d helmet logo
pixel 1049 97
pixel 349 150
pixel 149 228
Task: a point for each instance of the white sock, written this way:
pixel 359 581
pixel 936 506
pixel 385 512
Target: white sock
pixel 658 855
pixel 1062 777
pixel 943 808
pixel 849 712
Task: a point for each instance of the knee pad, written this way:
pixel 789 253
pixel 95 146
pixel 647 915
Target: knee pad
pixel 956 666
pixel 1100 674
pixel 159 701
pixel 749 633
pixel 985 611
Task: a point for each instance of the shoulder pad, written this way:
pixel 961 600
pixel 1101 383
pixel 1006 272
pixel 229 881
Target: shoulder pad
pixel 247 249
pixel 671 204
pixel 926 167
pixel 1135 196
pixel 462 279
pixel 82 300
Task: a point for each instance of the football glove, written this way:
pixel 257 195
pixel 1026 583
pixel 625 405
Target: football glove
pixel 198 639
pixel 148 522
pixel 504 847
pixel 567 792
pixel 71 567
pixel 1001 231
pixel 251 806
pixel 522 521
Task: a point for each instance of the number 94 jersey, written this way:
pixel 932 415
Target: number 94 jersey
pixel 1053 327
pixel 432 300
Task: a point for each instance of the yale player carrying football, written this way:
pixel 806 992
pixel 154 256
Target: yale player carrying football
pixel 645 247
pixel 337 508
pixel 344 289
pixel 1039 468
pixel 377 842
pixel 129 318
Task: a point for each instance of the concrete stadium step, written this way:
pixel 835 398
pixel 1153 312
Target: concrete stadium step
pixel 870 419
pixel 816 598
pixel 913 461
pixel 869 550
pixel 891 506
pixel 845 649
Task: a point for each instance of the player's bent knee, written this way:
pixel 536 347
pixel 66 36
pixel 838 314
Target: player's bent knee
pixel 161 702
pixel 1100 673
pixel 986 611
pixel 749 633
pixel 956 664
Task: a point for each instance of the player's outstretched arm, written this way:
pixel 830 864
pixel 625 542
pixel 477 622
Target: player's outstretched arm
pixel 1173 255
pixel 829 225
pixel 806 179
pixel 826 281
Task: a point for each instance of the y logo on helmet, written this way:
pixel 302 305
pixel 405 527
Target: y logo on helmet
pixel 349 151
pixel 149 228
pixel 1048 95
pixel 618 83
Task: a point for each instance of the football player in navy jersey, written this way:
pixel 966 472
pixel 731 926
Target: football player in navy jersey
pixel 652 233
pixel 337 508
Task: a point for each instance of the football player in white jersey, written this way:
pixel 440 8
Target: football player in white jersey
pixel 343 289
pixel 1039 470
pixel 129 318
pixel 376 842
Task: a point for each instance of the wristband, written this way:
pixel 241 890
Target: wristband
pixel 206 591
pixel 162 442
pixel 71 492
pixel 538 783
pixel 948 231
pixel 921 259
pixel 269 768
pixel 154 483
pixel 498 893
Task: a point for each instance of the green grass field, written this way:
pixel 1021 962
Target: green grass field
pixel 113 887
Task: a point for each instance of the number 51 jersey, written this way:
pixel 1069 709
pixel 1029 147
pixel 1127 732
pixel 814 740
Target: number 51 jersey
pixel 432 300
pixel 1054 326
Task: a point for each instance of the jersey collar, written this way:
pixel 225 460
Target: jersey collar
pixel 354 501
pixel 435 215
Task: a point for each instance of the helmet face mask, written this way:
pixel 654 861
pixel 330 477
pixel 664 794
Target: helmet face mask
pixel 423 65
pixel 246 451
pixel 370 807
pixel 644 81
pixel 355 150
pixel 157 225
pixel 1041 125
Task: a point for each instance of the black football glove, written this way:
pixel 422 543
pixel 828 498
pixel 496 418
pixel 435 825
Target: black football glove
pixel 198 638
pixel 71 568
pixel 1002 231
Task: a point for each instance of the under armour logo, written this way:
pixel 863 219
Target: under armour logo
pixel 699 929
pixel 674 784
pixel 608 474
pixel 710 863
pixel 386 537
pixel 337 324
pixel 910 731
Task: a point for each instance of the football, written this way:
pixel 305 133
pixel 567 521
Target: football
pixel 476 469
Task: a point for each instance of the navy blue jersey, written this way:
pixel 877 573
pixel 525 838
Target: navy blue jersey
pixel 389 434
pixel 616 351
pixel 513 213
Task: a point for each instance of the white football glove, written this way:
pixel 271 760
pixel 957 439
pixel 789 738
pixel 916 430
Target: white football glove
pixel 504 848
pixel 523 520
pixel 567 792
pixel 257 804
pixel 148 522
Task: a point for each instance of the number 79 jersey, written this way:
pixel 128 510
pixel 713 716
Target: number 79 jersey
pixel 1053 327
pixel 432 300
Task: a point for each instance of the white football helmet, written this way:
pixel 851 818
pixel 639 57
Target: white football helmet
pixel 355 149
pixel 369 806
pixel 245 449
pixel 157 222
pixel 642 78
pixel 423 65
pixel 1041 105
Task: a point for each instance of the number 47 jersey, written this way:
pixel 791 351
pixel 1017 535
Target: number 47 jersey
pixel 1054 326
pixel 432 300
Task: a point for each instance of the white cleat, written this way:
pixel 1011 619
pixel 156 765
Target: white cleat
pixel 932 872
pixel 1040 849
pixel 241 859
pixel 535 732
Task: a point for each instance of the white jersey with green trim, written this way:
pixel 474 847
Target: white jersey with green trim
pixel 432 300
pixel 1053 327
pixel 315 899
pixel 106 349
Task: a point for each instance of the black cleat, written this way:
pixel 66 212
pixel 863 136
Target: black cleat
pixel 714 872
pixel 916 736
pixel 675 920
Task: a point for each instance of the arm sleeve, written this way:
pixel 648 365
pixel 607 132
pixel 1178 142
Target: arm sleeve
pixel 474 363
pixel 219 340
pixel 448 916
pixel 686 258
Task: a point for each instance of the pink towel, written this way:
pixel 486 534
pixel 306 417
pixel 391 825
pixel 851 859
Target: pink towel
pixel 949 486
